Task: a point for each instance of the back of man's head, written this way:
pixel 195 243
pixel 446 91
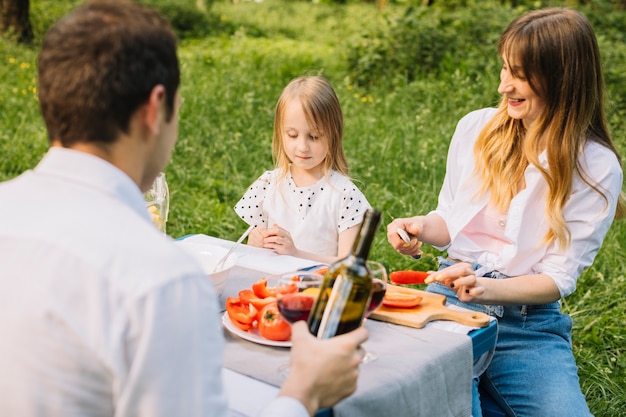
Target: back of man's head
pixel 99 64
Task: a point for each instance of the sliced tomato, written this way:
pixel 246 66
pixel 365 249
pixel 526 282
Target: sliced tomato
pixel 240 314
pixel 401 300
pixel 249 297
pixel 272 325
pixel 408 277
pixel 261 289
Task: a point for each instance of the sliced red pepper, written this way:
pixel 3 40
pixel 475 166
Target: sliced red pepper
pixel 261 289
pixel 401 300
pixel 240 314
pixel 408 277
pixel 249 297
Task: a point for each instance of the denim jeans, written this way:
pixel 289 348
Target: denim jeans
pixel 533 371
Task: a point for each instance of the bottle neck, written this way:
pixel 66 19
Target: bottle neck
pixel 365 237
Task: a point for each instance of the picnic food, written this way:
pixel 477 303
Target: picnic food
pixel 256 308
pixel 248 296
pixel 240 314
pixel 156 217
pixel 272 325
pixel 408 277
pixel 401 300
pixel 261 289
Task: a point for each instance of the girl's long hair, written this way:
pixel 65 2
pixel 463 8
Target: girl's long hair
pixel 557 52
pixel 323 113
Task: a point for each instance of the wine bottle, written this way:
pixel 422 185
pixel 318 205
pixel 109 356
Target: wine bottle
pixel 345 293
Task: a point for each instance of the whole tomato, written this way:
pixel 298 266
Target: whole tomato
pixel 272 325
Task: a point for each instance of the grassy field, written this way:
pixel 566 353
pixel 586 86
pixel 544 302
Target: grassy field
pixel 396 139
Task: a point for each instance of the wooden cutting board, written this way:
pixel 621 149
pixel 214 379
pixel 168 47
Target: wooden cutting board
pixel 431 308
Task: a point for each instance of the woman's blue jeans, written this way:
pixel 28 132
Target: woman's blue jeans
pixel 533 372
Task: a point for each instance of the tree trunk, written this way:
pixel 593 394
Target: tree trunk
pixel 15 20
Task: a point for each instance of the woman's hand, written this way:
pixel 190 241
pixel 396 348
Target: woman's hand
pixel 431 229
pixel 414 227
pixel 279 240
pixel 518 290
pixel 461 279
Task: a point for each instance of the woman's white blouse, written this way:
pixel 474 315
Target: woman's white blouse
pixel 313 215
pixel 587 213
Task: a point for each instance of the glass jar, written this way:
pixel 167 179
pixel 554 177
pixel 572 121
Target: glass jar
pixel 158 201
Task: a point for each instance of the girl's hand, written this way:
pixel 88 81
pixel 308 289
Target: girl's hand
pixel 413 226
pixel 461 279
pixel 279 240
pixel 256 236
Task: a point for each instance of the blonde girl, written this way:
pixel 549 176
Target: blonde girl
pixel 307 206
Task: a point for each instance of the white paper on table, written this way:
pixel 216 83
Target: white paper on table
pixel 264 260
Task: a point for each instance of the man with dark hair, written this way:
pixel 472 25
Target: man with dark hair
pixel 99 315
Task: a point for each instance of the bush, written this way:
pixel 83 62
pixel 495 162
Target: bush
pixel 45 13
pixel 189 18
pixel 425 41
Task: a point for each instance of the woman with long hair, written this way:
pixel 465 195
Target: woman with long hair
pixel 525 213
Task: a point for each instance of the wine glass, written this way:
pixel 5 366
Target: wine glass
pixel 296 293
pixel 378 272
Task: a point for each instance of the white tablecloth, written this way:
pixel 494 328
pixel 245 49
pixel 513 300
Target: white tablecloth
pixel 419 372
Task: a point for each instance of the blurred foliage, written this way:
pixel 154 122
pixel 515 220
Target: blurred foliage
pixel 190 18
pixel 459 36
pixel 428 40
pixel 404 74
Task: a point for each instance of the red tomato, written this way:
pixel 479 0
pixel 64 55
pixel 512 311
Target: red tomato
pixel 408 277
pixel 240 314
pixel 261 289
pixel 272 325
pixel 401 300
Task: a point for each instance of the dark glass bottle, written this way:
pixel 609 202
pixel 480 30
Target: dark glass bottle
pixel 347 286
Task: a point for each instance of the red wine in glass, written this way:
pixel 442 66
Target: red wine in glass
pixel 378 273
pixel 296 293
pixel 379 287
pixel 296 306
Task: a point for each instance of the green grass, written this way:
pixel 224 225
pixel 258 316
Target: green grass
pixel 396 139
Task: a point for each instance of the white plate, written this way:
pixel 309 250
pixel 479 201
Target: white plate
pixel 252 335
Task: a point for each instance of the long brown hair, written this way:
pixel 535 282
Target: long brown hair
pixel 323 113
pixel 557 52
